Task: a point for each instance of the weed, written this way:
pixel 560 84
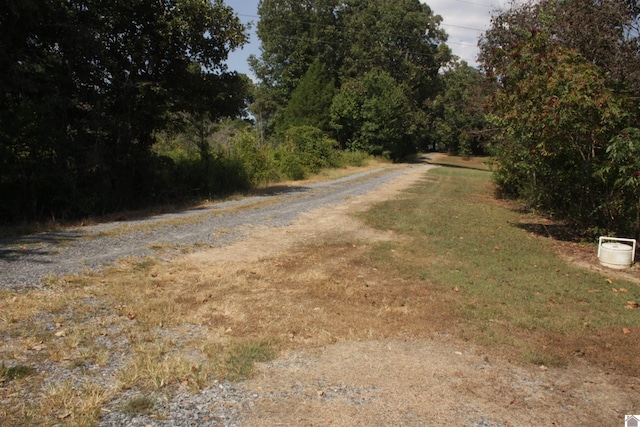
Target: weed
pixel 542 359
pixel 140 405
pixel 14 372
pixel 240 360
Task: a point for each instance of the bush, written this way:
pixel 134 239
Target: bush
pixel 289 164
pixel 313 149
pixel 256 160
pixel 353 158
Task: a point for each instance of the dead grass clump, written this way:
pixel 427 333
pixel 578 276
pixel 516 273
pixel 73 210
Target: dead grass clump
pixel 73 405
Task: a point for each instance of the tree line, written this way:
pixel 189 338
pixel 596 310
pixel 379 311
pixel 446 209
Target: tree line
pixel 366 73
pixel 86 87
pixel 111 105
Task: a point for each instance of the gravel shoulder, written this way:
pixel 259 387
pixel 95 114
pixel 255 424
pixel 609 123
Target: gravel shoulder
pixel 26 260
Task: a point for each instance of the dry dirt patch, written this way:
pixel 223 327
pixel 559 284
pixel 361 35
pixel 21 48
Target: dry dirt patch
pixel 362 347
pixel 437 382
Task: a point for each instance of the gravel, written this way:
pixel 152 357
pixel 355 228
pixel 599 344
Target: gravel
pixel 25 261
pixel 219 405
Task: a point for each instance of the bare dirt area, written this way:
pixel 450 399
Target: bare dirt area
pixel 362 347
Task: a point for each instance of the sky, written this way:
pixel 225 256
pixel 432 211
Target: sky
pixel 463 20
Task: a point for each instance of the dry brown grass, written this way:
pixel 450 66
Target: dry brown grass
pixel 146 326
pixel 171 324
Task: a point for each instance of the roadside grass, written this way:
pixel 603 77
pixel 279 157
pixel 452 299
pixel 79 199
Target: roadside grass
pixel 57 344
pixel 512 291
pixel 471 163
pixel 459 262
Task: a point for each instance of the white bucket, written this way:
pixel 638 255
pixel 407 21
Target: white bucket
pixel 614 254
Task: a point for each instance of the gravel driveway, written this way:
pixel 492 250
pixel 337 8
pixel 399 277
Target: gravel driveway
pixel 26 260
pixel 430 379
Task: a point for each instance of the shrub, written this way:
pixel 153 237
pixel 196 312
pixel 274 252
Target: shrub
pixel 315 151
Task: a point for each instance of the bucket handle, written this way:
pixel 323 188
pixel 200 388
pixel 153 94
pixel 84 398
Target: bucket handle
pixel 618 239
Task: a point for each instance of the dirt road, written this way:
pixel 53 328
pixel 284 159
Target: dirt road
pixel 28 259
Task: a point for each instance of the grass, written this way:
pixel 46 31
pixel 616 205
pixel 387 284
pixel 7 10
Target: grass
pixel 459 262
pixel 127 321
pixel 240 360
pixel 140 405
pixel 14 372
pixel 511 289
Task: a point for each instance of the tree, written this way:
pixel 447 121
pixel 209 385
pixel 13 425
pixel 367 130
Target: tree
pixel 293 34
pixel 402 37
pixel 457 112
pixel 603 31
pixel 557 114
pixel 621 175
pixel 86 85
pixel 374 114
pixel 311 99
pixel 350 39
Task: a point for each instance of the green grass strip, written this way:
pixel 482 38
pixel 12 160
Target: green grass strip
pixel 456 236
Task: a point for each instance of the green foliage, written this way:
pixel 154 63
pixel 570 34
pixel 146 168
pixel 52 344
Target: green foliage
pixel 621 174
pixel 293 34
pixel 459 123
pixel 15 372
pixel 233 158
pixel 353 158
pixel 400 37
pixel 306 150
pixel 254 158
pixel 86 86
pixel 239 363
pixel 311 47
pixel 374 114
pixel 568 72
pixel 557 114
pixel 310 101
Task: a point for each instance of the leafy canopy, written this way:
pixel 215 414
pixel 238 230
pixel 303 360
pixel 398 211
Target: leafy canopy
pixel 86 84
pixel 561 105
pixel 346 40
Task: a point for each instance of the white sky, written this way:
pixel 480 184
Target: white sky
pixel 463 20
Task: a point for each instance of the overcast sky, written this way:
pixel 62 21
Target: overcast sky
pixel 463 20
